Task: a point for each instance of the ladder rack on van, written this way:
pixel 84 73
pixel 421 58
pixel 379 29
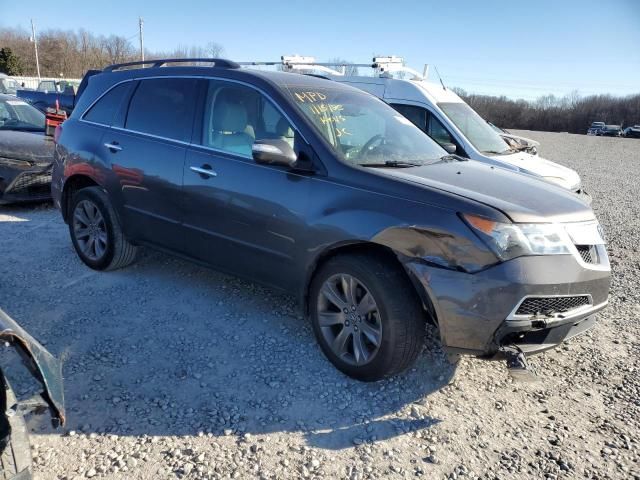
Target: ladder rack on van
pixel 382 65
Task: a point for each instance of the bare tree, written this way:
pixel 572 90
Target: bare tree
pixel 350 70
pixel 571 113
pixel 71 53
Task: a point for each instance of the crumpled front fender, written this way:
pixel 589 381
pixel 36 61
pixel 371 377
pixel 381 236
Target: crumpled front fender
pixel 45 367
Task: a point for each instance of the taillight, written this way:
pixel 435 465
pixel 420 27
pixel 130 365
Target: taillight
pixel 57 132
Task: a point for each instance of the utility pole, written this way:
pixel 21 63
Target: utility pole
pixel 35 46
pixel 141 24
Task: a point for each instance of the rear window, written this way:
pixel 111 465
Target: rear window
pixel 163 107
pixel 106 107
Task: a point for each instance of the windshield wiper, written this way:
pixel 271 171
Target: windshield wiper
pixel 391 164
pixel 494 152
pixel 453 156
pixel 504 152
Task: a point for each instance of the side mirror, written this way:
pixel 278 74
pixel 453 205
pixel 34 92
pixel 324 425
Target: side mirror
pixel 273 152
pixel 450 148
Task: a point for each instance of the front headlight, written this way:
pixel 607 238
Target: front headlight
pixel 510 240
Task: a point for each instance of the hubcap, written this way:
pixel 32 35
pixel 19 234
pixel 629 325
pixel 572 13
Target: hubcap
pixel 90 230
pixel 349 319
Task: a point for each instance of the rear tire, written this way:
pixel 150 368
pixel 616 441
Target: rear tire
pixel 96 232
pixel 395 314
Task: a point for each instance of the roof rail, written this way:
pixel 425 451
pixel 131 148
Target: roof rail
pixel 155 63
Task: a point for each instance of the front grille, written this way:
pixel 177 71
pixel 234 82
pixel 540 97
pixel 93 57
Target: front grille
pixel 551 305
pixel 588 253
pixel 32 184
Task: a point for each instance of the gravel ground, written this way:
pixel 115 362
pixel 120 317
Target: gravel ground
pixel 176 371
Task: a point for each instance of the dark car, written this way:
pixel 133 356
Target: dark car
pixel 610 131
pixel 26 153
pixel 15 450
pixel 595 128
pixel 319 189
pixel 631 132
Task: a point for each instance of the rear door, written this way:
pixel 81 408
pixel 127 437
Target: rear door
pixel 243 217
pixel 147 146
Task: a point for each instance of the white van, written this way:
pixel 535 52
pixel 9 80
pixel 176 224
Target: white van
pixel 443 115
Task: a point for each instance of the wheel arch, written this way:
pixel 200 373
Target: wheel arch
pixel 73 184
pixel 366 247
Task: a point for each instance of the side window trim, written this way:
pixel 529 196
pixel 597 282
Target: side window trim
pixel 199 77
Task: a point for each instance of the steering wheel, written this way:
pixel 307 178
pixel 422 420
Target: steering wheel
pixel 367 147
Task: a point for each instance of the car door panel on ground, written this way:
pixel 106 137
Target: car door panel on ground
pixel 242 217
pixel 148 152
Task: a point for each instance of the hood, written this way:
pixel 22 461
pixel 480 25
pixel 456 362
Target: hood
pixel 552 172
pixel 48 370
pixel 522 198
pixel 33 147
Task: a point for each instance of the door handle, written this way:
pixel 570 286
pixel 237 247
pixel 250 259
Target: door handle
pixel 205 171
pixel 113 146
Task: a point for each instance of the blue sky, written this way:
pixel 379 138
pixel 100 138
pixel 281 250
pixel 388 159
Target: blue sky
pixel 516 48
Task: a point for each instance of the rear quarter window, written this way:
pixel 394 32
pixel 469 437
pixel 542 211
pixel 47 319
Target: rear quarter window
pixel 104 110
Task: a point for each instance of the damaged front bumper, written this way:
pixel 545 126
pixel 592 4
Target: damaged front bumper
pixel 44 367
pixel 480 313
pixel 23 181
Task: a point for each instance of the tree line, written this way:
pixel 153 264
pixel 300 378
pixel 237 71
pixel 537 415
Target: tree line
pixel 571 113
pixel 68 53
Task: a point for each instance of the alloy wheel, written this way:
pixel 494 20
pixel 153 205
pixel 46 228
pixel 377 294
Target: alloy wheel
pixel 349 319
pixel 90 230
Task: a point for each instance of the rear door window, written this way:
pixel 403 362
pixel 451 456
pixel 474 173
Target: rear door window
pixel 163 107
pixel 105 108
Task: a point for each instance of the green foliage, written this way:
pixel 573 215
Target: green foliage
pixel 10 63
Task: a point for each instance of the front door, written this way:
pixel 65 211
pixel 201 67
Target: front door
pixel 243 217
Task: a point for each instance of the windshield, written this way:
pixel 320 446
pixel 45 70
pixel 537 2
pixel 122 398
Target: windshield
pixel 19 115
pixel 475 128
pixel 362 129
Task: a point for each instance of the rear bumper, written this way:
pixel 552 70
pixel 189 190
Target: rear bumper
pixel 475 311
pixel 25 183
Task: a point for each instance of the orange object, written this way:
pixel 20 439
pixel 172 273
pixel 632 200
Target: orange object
pixel 483 224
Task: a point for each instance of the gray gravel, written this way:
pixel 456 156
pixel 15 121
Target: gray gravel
pixel 176 371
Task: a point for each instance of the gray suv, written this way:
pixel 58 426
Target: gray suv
pixel 319 189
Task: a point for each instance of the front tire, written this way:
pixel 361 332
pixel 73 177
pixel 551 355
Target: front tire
pixel 366 316
pixel 96 232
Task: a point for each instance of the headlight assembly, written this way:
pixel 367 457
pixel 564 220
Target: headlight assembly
pixel 510 240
